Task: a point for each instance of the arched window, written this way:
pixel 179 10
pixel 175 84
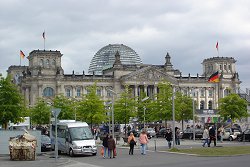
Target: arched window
pixel 210 105
pixel 68 92
pixel 48 92
pixel 41 63
pixel 47 63
pixel 202 105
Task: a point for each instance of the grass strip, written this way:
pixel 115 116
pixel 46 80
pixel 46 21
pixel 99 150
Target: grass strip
pixel 215 151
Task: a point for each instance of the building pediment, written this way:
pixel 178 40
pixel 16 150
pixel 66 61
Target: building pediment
pixel 149 73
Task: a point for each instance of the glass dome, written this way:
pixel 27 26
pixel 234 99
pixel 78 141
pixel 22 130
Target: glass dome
pixel 105 57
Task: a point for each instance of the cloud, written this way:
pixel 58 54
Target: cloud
pixel 187 29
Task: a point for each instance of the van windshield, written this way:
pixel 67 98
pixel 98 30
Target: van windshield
pixel 80 133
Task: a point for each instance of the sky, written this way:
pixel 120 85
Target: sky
pixel 187 29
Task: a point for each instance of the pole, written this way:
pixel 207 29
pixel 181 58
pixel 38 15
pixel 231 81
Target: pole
pixel 173 113
pixel 112 115
pixel 56 144
pixel 193 120
pixel 144 114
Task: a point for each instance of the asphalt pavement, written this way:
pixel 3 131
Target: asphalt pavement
pixel 155 145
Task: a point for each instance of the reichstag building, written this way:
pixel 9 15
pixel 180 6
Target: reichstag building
pixel 117 65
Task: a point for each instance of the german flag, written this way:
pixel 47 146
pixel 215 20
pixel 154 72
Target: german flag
pixel 22 55
pixel 214 77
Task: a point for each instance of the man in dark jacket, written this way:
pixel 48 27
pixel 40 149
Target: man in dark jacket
pixel 168 137
pixel 212 136
pixel 105 144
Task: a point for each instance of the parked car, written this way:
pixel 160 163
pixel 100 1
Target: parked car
pixel 45 143
pixel 151 132
pixel 161 132
pixel 245 136
pixel 231 134
pixel 148 133
pixel 188 134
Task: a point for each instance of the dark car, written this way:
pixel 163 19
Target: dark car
pixel 161 132
pixel 45 143
pixel 135 132
pixel 245 136
pixel 188 134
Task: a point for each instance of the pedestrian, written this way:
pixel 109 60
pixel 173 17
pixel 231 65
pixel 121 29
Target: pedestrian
pixel 111 147
pixel 205 137
pixel 169 137
pixel 177 136
pixel 132 143
pixel 105 145
pixel 212 136
pixel 221 133
pixel 143 141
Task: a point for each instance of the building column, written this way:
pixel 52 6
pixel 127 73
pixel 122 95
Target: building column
pixel 27 95
pixel 206 98
pixel 145 89
pixel 136 91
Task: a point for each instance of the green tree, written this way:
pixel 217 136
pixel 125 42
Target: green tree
pixel 124 107
pixel 40 113
pixel 12 106
pixel 233 107
pixel 183 107
pixel 66 105
pixel 161 108
pixel 91 108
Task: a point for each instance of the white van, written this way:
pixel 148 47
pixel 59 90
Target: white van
pixel 74 138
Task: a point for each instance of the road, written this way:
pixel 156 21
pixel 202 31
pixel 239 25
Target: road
pixel 159 158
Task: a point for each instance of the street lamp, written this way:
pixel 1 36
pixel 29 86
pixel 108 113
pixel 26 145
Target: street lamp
pixel 193 94
pixel 112 112
pixel 144 110
pixel 173 114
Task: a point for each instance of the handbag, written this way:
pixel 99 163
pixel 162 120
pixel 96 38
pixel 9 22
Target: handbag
pixel 115 152
pixel 102 151
pixel 132 142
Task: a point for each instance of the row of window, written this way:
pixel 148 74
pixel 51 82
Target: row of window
pixel 47 63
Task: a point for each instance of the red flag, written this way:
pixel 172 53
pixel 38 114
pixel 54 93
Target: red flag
pixel 44 35
pixel 22 54
pixel 217 46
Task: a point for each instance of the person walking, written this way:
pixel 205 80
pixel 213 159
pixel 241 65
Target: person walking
pixel 212 136
pixel 105 145
pixel 205 136
pixel 143 141
pixel 177 136
pixel 169 137
pixel 221 133
pixel 111 147
pixel 132 143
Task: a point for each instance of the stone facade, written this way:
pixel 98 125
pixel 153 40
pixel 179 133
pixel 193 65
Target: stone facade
pixel 44 78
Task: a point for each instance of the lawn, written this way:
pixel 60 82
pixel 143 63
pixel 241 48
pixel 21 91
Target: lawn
pixel 215 151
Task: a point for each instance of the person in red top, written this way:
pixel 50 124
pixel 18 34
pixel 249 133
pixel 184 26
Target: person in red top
pixel 143 141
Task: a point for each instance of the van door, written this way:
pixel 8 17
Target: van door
pixel 68 141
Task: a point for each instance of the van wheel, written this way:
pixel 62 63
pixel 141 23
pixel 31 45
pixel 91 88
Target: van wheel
pixel 71 153
pixel 230 138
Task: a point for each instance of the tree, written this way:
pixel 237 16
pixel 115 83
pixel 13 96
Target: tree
pixel 12 106
pixel 124 107
pixel 233 107
pixel 91 108
pixel 183 107
pixel 66 105
pixel 40 113
pixel 161 108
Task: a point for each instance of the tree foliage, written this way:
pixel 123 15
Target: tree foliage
pixel 183 107
pixel 12 106
pixel 40 113
pixel 233 107
pixel 91 108
pixel 66 105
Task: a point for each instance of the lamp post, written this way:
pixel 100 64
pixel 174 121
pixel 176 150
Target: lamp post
pixel 193 94
pixel 144 110
pixel 173 114
pixel 112 112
